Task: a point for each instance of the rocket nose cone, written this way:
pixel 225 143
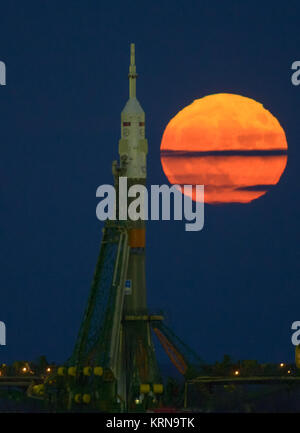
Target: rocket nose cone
pixel 133 107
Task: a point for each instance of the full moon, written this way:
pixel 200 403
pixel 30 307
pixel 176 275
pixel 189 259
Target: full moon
pixel 229 143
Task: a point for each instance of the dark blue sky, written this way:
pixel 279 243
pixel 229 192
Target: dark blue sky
pixel 231 288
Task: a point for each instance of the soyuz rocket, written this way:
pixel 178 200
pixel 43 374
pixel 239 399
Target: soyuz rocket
pixel 133 148
pixel 132 352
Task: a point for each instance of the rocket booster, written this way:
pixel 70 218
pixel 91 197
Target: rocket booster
pixel 133 145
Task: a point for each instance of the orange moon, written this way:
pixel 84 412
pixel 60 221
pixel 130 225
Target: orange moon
pixel 229 143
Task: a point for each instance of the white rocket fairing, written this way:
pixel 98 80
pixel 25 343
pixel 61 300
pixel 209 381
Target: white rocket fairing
pixel 133 146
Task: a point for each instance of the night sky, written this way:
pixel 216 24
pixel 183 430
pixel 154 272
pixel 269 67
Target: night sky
pixel 232 287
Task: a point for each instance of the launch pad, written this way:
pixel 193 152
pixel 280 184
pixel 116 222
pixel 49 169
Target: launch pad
pixel 113 367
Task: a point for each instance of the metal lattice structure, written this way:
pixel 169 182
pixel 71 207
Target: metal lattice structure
pixel 187 362
pixel 95 334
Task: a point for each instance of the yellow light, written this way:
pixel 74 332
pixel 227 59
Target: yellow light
pixel 86 398
pixel 281 364
pixel 98 371
pixel 236 372
pixel 137 401
pixel 158 388
pixel 48 369
pixel 24 369
pixel 289 371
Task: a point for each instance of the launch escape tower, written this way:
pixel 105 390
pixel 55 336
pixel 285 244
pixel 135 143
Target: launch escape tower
pixel 113 366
